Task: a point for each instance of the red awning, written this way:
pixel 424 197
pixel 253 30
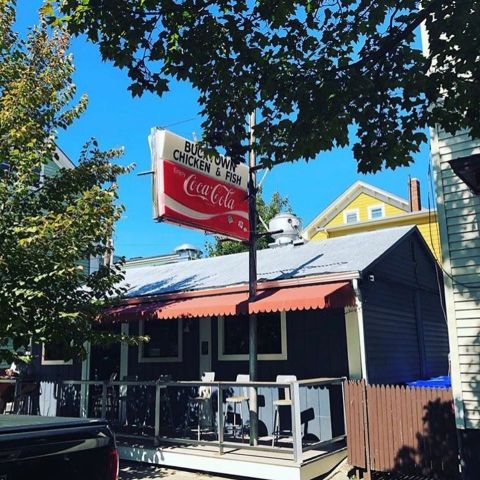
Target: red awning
pixel 308 297
pixel 328 295
pixel 209 305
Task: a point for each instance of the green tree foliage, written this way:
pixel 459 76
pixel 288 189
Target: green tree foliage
pixel 48 225
pixel 316 71
pixel 266 211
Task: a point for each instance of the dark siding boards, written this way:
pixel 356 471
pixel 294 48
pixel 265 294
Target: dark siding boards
pixel 54 372
pixel 435 331
pixel 390 334
pixel 405 330
pixel 316 346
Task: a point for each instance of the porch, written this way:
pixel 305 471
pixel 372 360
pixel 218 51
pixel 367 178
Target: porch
pixel 196 425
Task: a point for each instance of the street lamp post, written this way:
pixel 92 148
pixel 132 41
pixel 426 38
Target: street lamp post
pixel 252 282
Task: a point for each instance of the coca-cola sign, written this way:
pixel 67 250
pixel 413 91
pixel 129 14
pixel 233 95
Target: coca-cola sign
pixel 196 190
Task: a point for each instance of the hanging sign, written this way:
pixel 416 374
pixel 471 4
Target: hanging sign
pixel 198 190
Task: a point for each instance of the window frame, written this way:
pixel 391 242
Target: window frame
pixel 381 206
pixel 283 355
pixel 356 211
pixel 177 359
pixel 53 362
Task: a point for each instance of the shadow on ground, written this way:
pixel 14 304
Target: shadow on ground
pixel 144 471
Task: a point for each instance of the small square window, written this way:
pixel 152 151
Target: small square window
pixel 165 343
pixel 54 354
pixel 234 333
pixel 375 212
pixel 351 216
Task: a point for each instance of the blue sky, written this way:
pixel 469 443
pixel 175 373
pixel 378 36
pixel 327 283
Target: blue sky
pixel 115 119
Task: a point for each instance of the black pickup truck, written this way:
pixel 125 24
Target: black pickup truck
pixel 53 448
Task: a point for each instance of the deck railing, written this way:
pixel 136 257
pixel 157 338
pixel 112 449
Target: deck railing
pixel 293 417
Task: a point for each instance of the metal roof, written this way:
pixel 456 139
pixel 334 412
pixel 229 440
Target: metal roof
pixel 350 253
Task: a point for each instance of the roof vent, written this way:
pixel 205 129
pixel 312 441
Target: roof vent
pixel 187 250
pixel 290 227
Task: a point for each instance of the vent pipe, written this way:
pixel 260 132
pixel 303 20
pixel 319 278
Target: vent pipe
pixel 289 227
pixel 189 251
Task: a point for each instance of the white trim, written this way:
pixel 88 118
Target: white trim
pixel 177 359
pixel 354 353
pixel 381 206
pixel 356 211
pixel 124 352
pixel 265 468
pixel 53 362
pixel 204 335
pixel 361 328
pixel 261 356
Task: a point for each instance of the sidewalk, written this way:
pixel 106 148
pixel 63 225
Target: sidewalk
pixel 143 471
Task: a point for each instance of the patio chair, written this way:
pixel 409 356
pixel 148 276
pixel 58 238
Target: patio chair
pixel 235 400
pixel 203 402
pixel 286 401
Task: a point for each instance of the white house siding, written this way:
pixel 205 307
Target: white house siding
pixel 459 219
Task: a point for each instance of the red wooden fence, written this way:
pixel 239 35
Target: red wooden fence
pixel 401 429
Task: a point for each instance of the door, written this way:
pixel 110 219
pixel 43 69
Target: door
pixel 205 345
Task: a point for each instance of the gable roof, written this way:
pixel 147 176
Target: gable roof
pixel 346 198
pixel 62 160
pixel 350 254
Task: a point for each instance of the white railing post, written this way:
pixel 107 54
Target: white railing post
pixel 84 387
pixel 296 422
pixel 157 408
pixel 104 399
pixel 220 425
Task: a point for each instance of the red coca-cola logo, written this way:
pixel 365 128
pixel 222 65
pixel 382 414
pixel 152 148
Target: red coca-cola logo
pixel 217 194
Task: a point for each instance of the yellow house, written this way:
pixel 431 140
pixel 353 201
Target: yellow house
pixel 363 207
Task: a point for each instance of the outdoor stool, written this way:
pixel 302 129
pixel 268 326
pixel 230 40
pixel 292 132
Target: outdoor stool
pixel 203 401
pixel 285 402
pixel 111 399
pixel 234 401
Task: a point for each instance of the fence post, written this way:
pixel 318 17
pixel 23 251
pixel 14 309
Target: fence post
pixel 345 429
pixel 220 419
pixel 366 426
pixel 296 422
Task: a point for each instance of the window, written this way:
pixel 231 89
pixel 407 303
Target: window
pixel 165 343
pixel 272 337
pixel 376 211
pixel 53 354
pixel 351 216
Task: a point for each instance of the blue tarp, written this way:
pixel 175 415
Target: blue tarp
pixel 436 382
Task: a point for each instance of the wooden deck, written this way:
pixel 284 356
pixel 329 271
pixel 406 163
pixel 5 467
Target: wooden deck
pixel 236 461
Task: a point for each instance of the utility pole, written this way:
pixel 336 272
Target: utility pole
pixel 252 282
